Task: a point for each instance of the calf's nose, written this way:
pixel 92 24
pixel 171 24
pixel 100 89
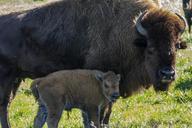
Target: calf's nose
pixel 115 95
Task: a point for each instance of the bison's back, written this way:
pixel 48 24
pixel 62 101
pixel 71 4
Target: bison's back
pixel 10 36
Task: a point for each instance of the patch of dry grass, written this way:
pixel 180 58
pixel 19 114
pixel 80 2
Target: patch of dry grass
pixel 10 6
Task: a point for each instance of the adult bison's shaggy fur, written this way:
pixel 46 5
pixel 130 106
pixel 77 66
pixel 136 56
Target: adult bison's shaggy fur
pixel 131 37
pixel 88 90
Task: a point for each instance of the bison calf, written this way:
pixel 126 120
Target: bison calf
pixel 88 90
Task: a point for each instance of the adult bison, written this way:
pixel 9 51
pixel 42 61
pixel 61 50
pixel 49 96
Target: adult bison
pixel 187 8
pixel 131 37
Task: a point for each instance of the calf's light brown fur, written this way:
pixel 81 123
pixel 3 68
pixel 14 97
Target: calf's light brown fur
pixel 89 90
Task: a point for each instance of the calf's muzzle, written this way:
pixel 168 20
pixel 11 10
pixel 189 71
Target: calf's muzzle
pixel 115 96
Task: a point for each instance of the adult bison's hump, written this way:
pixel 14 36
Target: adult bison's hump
pixel 55 38
pixel 57 27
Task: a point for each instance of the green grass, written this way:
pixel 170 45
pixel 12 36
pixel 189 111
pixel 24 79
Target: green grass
pixel 146 109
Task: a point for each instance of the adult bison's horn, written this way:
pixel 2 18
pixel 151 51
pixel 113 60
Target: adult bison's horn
pixel 139 26
pixel 184 20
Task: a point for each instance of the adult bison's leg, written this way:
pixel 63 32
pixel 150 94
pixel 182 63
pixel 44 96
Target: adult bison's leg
pixel 5 92
pixel 7 78
pixel 190 25
pixel 189 22
pixel 15 87
pixel 3 112
pixel 105 115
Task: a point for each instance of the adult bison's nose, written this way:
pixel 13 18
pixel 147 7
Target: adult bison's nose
pixel 167 74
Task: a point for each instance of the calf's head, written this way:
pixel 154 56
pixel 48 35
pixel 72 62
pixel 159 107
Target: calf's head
pixel 110 85
pixel 160 32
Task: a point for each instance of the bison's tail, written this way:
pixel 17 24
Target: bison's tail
pixel 34 89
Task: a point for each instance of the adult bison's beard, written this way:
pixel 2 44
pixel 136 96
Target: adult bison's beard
pixel 161 87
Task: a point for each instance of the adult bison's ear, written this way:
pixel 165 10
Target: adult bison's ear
pixel 181 45
pixel 99 76
pixel 140 42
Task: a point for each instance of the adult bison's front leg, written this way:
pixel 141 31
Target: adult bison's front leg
pixel 7 78
pixel 5 92
pixel 105 115
pixel 4 115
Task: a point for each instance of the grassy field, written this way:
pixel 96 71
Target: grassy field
pixel 144 110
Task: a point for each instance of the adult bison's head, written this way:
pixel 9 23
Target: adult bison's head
pixel 160 32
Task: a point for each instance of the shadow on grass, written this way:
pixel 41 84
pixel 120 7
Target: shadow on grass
pixel 184 85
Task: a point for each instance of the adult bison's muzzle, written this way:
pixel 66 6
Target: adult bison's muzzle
pixel 167 74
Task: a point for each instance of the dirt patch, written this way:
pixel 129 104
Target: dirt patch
pixel 16 7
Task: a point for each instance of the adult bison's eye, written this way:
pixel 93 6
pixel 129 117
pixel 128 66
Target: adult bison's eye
pixel 177 46
pixel 181 45
pixel 140 42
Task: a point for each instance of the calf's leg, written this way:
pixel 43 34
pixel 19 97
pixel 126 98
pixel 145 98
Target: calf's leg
pixel 94 117
pixel 41 116
pixel 86 121
pixel 54 115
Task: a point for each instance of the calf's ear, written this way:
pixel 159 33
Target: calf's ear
pixel 99 77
